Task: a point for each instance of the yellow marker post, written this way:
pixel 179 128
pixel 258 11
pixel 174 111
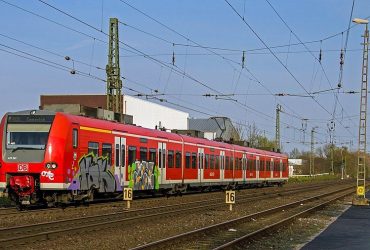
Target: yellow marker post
pixel 230 199
pixel 127 196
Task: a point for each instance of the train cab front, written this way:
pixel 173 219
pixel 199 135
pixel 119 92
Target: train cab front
pixel 24 139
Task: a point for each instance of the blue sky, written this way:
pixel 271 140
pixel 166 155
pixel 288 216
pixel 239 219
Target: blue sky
pixel 210 23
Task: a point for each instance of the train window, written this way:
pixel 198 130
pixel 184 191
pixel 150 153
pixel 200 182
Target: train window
pixel 93 147
pixel 212 162
pixel 206 162
pixel 152 154
pixel 193 160
pixel 267 165
pixel 187 160
pixel 272 166
pixel 107 152
pixel 217 162
pixel 231 163
pixel 143 154
pixel 75 138
pixel 178 159
pixel 117 155
pixel 123 155
pixel 227 164
pixel 170 159
pixel 131 155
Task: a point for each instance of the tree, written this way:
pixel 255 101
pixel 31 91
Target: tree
pixel 295 153
pixel 257 140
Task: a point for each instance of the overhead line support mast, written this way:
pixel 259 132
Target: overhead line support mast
pixel 114 82
pixel 360 198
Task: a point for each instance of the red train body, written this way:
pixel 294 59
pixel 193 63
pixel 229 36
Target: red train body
pixel 58 158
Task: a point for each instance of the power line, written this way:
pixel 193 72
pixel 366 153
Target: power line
pixel 277 58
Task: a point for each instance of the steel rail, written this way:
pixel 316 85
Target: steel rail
pixel 46 230
pixel 239 220
pixel 120 203
pixel 281 222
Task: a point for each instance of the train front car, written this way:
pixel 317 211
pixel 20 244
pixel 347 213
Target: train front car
pixel 30 163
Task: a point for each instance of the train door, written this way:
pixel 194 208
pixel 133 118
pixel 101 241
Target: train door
pixel 272 163
pixel 281 168
pixel 244 167
pixel 222 165
pixel 162 162
pixel 257 167
pixel 120 159
pixel 200 164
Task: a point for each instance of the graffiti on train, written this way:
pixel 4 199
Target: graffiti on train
pixel 143 175
pixel 95 173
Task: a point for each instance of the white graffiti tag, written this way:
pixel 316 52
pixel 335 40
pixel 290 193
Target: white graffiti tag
pixel 48 174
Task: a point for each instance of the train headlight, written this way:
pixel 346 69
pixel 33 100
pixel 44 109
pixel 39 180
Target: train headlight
pixel 51 165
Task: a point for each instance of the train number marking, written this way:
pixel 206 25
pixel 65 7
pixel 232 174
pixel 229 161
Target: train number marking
pixel 48 174
pixel 230 197
pixel 22 167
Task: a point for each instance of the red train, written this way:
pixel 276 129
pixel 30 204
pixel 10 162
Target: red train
pixel 50 158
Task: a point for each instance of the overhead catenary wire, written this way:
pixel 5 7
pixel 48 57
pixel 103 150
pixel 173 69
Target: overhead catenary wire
pixel 278 59
pixel 175 69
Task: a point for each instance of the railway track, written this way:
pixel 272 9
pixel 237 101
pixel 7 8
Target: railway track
pixel 12 236
pixel 232 233
pixel 11 211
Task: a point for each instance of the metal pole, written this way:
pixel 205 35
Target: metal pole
pixel 277 132
pixel 360 198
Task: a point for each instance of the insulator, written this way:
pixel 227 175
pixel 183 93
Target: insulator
pixel 320 56
pixel 243 59
pixel 341 57
pixel 173 58
pixel 67 58
pixel 73 71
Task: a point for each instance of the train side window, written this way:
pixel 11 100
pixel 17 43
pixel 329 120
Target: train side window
pixel 143 154
pixel 152 154
pixel 187 160
pixel 193 160
pixel 107 152
pixel 178 159
pixel 123 155
pixel 206 161
pixel 212 162
pixel 227 164
pixel 117 155
pixel 131 155
pixel 75 138
pixel 217 162
pixel 93 147
pixel 170 158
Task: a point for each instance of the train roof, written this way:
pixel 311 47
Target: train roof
pixel 132 129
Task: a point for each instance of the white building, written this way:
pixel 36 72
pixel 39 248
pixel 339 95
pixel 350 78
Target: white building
pixel 145 114
pixel 149 115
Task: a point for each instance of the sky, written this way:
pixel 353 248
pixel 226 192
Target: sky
pixel 281 41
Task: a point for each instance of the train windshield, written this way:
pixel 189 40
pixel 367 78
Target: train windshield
pixel 27 134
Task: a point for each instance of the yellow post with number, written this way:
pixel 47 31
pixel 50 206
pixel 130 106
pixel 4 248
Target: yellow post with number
pixel 230 199
pixel 127 196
